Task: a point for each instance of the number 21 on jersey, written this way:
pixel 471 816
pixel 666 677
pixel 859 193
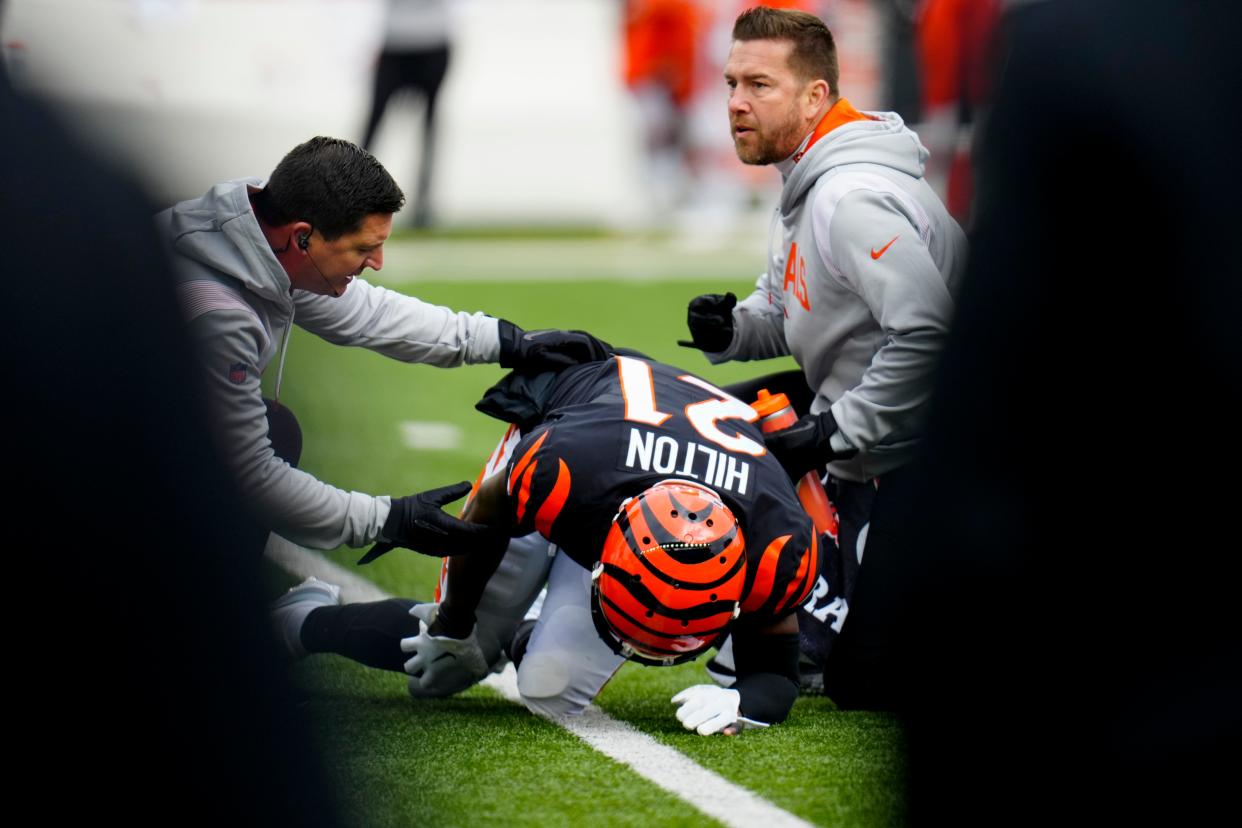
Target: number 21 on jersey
pixel 638 390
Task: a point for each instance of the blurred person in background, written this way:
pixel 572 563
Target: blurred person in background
pixel 955 58
pixel 672 61
pixel 662 43
pixel 862 261
pixel 417 45
pixel 900 91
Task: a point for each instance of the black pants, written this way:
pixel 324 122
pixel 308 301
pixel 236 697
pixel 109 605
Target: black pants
pixel 368 633
pixel 861 666
pixel 423 71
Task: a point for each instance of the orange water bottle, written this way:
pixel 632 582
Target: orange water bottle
pixel 776 414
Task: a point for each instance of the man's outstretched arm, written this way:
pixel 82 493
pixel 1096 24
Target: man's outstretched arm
pixel 468 574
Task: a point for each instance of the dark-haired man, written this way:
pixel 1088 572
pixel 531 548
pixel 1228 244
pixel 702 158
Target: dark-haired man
pixel 862 261
pixel 253 259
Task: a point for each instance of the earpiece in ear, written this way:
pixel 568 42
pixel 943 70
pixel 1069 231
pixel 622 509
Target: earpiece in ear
pixel 303 241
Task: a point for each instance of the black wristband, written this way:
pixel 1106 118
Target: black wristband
pixel 767 674
pixel 395 520
pixel 759 653
pixel 766 697
pixel 455 623
pixel 510 336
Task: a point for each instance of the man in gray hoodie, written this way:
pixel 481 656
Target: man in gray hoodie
pixel 862 260
pixel 253 258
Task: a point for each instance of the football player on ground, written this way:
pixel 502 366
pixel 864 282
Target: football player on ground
pixel 645 501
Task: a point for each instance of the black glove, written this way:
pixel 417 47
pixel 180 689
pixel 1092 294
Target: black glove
pixel 806 444
pixel 532 352
pixel 416 522
pixel 710 318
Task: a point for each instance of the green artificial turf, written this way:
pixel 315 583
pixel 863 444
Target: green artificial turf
pixel 828 766
pixel 476 759
pixel 472 760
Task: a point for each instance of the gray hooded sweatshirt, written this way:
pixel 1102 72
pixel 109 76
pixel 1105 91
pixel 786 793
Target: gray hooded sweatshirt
pixel 240 307
pixel 862 261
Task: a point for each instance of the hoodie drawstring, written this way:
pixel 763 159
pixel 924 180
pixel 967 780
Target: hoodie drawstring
pixel 284 351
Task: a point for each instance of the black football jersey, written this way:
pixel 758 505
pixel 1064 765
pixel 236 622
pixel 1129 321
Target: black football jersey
pixel 615 428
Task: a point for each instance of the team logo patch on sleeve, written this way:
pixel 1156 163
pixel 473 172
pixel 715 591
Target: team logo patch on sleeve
pixel 238 372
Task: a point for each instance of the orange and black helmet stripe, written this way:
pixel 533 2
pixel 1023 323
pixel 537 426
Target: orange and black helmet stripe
pixel 632 589
pixel 652 540
pixel 658 641
pixel 671 573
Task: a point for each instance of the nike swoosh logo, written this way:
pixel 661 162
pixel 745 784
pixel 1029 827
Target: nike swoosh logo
pixel 442 656
pixel 876 255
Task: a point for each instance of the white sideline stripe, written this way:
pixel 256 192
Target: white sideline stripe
pixel 706 790
pixel 660 764
pixel 303 563
pixel 674 772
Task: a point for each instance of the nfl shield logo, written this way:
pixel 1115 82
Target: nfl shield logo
pixel 237 373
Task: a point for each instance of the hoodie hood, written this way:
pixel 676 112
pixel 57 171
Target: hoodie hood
pixel 219 230
pixel 880 139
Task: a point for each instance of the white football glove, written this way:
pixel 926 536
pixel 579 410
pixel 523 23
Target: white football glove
pixel 709 709
pixel 441 666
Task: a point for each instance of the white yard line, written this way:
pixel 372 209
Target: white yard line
pixel 426 435
pixel 730 804
pixel 302 563
pixel 676 773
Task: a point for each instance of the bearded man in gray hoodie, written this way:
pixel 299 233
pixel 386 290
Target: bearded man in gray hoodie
pixel 862 261
pixel 254 258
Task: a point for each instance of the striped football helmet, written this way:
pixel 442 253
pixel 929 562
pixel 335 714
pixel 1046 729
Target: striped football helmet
pixel 669 579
